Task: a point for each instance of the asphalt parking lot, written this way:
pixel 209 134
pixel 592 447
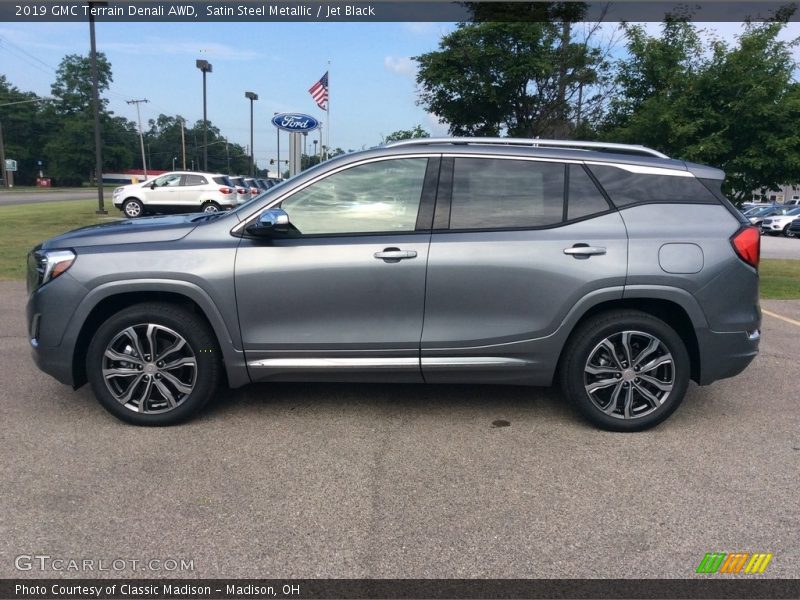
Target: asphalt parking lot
pixel 352 481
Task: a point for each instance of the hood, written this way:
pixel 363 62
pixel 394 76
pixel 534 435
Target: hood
pixel 131 231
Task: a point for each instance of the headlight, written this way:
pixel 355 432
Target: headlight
pixel 117 191
pixel 45 266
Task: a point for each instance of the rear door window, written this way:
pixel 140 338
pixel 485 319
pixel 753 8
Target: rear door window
pixel 493 193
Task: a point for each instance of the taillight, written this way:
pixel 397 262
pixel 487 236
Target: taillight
pixel 253 190
pixel 241 190
pixel 225 190
pixel 747 244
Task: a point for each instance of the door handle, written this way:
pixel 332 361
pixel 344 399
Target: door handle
pixel 395 254
pixel 584 250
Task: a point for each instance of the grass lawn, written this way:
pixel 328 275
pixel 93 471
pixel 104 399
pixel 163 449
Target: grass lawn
pixel 780 279
pixel 24 226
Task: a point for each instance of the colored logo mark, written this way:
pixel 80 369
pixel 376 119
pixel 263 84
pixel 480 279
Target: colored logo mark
pixel 734 562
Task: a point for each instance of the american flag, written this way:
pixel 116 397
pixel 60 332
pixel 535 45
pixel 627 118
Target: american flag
pixel 319 92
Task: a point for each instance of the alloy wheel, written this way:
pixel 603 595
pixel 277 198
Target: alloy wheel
pixel 629 374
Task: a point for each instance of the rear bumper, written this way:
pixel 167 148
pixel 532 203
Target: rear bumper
pixel 725 354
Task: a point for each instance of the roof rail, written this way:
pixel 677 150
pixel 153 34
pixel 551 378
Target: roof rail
pixel 534 143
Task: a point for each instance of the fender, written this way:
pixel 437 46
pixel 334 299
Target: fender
pixel 230 340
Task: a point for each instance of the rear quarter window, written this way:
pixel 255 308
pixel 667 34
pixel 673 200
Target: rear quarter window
pixel 626 188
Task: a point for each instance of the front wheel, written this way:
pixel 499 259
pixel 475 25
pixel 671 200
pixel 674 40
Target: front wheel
pixel 625 370
pixel 153 364
pixel 132 208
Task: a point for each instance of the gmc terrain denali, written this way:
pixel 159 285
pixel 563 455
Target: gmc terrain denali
pixel 440 260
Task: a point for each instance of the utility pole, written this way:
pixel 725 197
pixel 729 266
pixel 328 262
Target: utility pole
pixel 141 137
pixel 183 143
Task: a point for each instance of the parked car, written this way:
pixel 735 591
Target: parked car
pixel 779 223
pixel 242 189
pixel 794 229
pixel 755 218
pixel 483 261
pixel 252 183
pixel 178 191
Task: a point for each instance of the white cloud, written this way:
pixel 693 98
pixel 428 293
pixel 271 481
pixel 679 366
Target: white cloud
pixel 403 65
pixel 204 49
pixel 436 128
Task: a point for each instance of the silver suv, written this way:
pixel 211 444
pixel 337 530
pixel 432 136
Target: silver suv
pixel 491 261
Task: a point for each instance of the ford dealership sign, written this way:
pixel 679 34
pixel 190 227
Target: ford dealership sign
pixel 297 122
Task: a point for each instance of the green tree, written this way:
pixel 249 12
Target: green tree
pixel 731 106
pixel 73 84
pixel 523 79
pixel 70 149
pixel 407 134
pixel 24 130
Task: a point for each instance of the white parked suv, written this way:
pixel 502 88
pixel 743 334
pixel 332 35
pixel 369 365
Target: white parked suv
pixel 178 191
pixel 779 223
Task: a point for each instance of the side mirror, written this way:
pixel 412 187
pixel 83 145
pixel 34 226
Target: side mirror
pixel 153 185
pixel 272 222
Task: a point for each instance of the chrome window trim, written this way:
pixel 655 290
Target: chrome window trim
pixel 641 169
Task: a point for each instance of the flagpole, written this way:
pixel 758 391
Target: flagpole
pixel 328 113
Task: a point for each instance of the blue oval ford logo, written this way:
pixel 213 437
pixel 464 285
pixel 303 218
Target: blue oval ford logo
pixel 295 122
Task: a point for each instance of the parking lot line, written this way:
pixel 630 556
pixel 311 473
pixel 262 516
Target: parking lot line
pixel 781 317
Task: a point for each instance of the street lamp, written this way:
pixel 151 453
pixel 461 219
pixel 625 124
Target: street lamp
pixel 252 97
pixel 174 158
pixel 315 147
pixel 98 148
pixel 278 132
pixel 205 67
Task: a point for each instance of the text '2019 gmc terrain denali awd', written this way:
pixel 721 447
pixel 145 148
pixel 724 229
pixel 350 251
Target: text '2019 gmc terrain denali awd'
pixel 438 260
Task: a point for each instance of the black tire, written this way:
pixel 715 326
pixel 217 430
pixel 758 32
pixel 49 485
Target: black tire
pixel 642 330
pixel 132 208
pixel 786 232
pixel 210 207
pixel 145 374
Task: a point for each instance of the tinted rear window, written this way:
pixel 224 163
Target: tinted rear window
pixel 497 193
pixel 223 181
pixel 625 188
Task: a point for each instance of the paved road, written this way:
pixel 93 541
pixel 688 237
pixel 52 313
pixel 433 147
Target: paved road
pixel 301 480
pixel 779 247
pixel 36 197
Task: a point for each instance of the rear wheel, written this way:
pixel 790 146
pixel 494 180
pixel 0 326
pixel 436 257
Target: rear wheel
pixel 132 208
pixel 210 207
pixel 625 370
pixel 153 364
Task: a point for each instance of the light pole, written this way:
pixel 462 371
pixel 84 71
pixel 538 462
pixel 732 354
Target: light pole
pixel 98 148
pixel 252 97
pixel 278 132
pixel 205 67
pixel 174 158
pixel 315 147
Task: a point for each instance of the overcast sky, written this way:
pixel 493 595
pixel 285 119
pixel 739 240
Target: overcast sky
pixel 373 92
